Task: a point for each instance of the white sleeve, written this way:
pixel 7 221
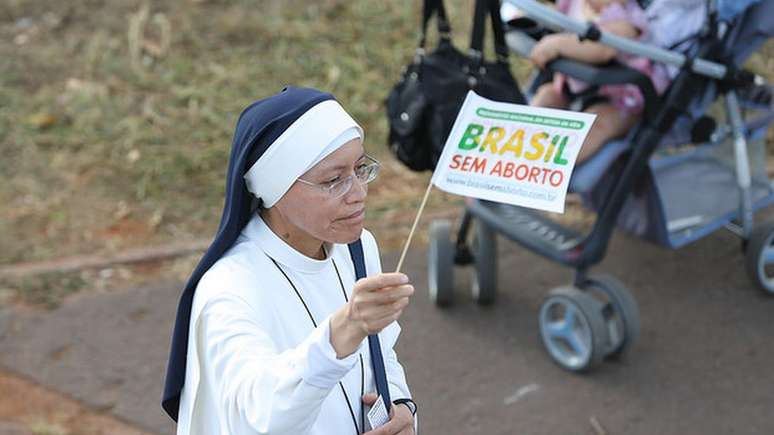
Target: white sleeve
pixel 258 389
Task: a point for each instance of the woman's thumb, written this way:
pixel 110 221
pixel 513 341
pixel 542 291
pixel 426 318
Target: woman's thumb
pixel 370 398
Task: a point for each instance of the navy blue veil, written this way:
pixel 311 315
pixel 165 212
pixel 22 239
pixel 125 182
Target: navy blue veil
pixel 259 125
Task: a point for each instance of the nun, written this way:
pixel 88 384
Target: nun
pixel 287 325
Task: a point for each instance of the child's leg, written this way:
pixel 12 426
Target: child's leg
pixel 548 96
pixel 611 123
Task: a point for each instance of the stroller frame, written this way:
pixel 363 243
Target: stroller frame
pixel 605 309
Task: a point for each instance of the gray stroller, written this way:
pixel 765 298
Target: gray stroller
pixel 650 183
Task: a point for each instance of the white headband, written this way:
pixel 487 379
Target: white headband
pixel 318 132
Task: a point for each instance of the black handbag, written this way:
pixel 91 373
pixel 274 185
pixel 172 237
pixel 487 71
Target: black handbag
pixel 422 106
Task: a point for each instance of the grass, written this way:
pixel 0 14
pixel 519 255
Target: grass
pixel 45 290
pixel 112 139
pixel 116 117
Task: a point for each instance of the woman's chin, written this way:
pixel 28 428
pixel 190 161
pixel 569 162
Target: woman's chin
pixel 349 233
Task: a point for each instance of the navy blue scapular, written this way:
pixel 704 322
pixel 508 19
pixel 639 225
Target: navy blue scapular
pixel 377 360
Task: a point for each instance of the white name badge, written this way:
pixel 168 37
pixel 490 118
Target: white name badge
pixel 378 415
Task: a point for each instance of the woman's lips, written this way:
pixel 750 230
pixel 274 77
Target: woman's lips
pixel 357 215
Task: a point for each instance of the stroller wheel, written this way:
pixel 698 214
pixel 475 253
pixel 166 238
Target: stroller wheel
pixel 440 263
pixel 484 282
pixel 573 329
pixel 622 316
pixel 759 257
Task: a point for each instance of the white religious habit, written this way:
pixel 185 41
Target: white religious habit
pixel 256 364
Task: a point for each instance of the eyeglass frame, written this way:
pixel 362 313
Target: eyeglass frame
pixel 327 188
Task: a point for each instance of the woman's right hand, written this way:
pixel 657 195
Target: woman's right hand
pixel 376 302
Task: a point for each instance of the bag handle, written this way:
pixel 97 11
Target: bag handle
pixel 444 29
pixel 377 360
pixel 501 49
pixel 482 7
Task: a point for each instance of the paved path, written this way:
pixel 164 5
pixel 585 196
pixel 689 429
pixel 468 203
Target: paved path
pixel 702 365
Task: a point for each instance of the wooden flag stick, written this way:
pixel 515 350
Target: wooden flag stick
pixel 414 226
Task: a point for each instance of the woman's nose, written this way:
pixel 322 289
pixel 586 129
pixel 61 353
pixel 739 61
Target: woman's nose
pixel 357 192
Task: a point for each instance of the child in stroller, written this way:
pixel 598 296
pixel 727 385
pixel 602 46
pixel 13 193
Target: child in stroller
pixel 671 198
pixel 618 107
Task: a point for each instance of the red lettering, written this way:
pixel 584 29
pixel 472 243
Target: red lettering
pixel 558 182
pixel 508 172
pixel 498 168
pixel 524 173
pixel 546 171
pixel 466 164
pixel 533 174
pixel 520 172
pixel 479 165
pixel 455 163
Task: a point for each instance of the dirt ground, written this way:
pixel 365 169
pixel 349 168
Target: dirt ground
pixel 27 408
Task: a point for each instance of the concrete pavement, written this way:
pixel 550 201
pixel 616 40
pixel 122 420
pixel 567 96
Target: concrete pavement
pixel 702 364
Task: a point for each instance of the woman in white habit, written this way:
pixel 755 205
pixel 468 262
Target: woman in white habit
pixel 271 335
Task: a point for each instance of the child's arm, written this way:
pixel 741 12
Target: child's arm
pixel 568 45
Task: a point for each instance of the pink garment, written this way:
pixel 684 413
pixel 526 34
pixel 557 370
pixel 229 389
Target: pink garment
pixel 626 98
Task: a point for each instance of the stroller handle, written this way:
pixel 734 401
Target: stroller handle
pixel 557 21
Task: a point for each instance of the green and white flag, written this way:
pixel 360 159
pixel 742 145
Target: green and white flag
pixel 512 153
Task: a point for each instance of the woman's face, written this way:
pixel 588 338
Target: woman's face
pixel 314 213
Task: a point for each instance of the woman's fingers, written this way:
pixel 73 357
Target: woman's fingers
pixel 387 295
pixel 401 421
pixel 378 301
pixel 373 312
pixel 375 325
pixel 370 398
pixel 392 427
pixel 364 308
pixel 380 281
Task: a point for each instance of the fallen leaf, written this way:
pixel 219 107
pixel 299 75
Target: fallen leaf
pixel 41 120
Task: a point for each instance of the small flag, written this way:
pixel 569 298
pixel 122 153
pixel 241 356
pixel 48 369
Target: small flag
pixel 512 153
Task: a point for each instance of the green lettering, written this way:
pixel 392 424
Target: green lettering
pixel 558 159
pixel 551 148
pixel 471 137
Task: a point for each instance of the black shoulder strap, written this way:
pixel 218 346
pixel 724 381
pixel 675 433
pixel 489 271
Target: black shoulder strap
pixel 501 49
pixel 429 8
pixel 356 252
pixel 377 360
pixel 480 12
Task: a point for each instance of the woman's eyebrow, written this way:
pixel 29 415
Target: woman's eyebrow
pixel 343 166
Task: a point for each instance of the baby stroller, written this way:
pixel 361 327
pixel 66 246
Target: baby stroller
pixel 644 183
